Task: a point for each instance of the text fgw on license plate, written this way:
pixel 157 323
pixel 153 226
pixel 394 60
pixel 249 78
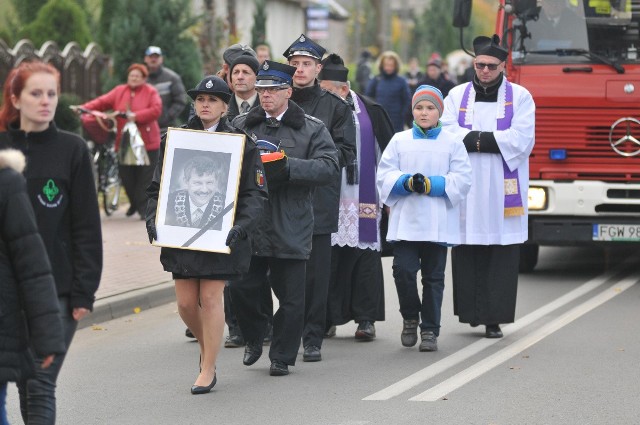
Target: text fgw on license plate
pixel 616 232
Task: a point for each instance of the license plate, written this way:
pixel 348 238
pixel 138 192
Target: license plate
pixel 616 232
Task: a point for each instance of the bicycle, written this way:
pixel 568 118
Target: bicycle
pixel 100 130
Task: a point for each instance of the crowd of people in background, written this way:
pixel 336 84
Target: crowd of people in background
pixel 333 178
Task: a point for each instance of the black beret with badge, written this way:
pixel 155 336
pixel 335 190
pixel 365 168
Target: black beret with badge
pixel 236 50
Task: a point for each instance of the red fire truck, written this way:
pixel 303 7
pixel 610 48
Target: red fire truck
pixel 584 76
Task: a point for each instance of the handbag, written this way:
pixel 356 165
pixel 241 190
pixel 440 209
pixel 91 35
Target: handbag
pixel 132 150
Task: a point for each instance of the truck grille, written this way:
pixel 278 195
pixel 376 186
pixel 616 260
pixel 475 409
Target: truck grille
pixel 585 136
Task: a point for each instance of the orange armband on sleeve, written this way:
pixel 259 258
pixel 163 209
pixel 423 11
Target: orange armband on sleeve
pixel 273 156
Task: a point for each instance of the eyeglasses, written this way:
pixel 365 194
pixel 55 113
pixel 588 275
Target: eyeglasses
pixel 271 90
pixel 491 66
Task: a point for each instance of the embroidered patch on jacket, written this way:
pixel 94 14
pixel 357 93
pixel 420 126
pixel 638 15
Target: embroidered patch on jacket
pixel 52 196
pixel 510 186
pixel 259 178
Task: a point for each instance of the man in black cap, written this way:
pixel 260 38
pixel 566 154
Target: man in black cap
pixel 169 86
pixel 356 290
pixel 304 158
pixel 242 76
pixel 334 112
pixel 496 120
pixel 230 55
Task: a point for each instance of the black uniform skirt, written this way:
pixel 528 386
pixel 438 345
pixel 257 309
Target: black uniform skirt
pixel 209 277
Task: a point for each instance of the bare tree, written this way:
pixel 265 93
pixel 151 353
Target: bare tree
pixel 208 37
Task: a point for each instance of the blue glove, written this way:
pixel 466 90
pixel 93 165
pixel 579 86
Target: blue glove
pixel 400 188
pixel 436 186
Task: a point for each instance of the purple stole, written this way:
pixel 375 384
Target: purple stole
pixel 512 198
pixel 367 209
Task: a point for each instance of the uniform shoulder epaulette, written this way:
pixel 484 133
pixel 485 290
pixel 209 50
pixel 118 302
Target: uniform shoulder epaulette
pixel 312 118
pixel 337 97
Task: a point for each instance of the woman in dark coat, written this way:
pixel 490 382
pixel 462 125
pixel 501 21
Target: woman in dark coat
pixel 28 300
pixel 200 276
pixel 391 90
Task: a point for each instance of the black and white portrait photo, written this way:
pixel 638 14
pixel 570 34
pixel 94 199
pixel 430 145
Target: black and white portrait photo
pixel 198 189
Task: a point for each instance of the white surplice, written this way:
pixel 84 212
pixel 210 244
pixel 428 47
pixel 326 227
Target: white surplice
pixel 417 217
pixel 482 219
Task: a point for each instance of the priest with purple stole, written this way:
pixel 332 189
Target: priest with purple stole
pixel 496 120
pixel 356 289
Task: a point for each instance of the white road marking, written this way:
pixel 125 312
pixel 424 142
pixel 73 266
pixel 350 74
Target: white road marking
pixel 439 391
pixel 473 349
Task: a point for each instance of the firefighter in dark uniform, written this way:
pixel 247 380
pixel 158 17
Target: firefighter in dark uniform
pixel 305 157
pixel 336 114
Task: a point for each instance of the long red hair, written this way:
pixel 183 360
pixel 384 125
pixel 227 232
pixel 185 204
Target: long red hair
pixel 14 84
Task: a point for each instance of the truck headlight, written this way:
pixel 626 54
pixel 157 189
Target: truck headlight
pixel 537 198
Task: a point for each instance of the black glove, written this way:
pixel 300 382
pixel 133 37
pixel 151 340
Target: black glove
pixel 276 167
pixel 416 183
pixel 151 231
pixel 236 233
pixel 471 141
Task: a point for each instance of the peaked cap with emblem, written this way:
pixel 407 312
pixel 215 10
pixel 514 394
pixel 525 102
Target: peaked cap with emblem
pixel 275 74
pixel 333 69
pixel 304 46
pixel 213 85
pixel 484 45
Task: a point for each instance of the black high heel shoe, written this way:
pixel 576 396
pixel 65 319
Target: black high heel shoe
pixel 197 389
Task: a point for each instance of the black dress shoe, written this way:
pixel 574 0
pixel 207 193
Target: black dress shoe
pixel 234 341
pixel 131 211
pixel 252 353
pixel 366 331
pixel 311 354
pixel 278 368
pixel 493 331
pixel 189 334
pixel 197 389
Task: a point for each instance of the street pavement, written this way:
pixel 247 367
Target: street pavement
pixel 132 276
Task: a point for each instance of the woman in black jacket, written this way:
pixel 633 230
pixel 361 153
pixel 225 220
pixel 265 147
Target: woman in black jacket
pixel 28 301
pixel 200 276
pixel 63 196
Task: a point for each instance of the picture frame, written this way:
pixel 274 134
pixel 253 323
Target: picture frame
pixel 198 189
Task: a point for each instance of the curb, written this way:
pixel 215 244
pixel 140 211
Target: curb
pixel 120 305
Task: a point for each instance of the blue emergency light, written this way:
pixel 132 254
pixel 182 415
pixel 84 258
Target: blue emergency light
pixel 557 154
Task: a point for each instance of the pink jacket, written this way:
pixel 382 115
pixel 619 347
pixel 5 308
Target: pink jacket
pixel 143 100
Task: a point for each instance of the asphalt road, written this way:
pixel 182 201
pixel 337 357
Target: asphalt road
pixel 571 357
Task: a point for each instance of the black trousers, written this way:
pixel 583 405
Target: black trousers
pixel 317 290
pixel 136 179
pixel 287 281
pixel 230 312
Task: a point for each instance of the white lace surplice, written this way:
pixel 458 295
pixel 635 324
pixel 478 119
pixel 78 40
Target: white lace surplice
pixel 347 234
